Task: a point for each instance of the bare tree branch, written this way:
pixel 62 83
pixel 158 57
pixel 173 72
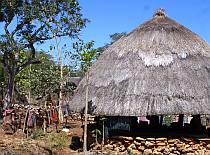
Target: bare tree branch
pixel 6 28
pixel 38 30
pixel 20 26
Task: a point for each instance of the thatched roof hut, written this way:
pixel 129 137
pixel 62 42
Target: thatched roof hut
pixel 161 67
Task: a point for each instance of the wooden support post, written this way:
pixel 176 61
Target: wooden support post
pixel 44 125
pixel 103 135
pixel 86 112
pixel 25 121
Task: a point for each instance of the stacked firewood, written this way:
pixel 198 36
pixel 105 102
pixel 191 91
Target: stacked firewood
pixel 158 146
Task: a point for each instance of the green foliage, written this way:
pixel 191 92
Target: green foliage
pixel 37 21
pixel 44 15
pixel 38 134
pixel 167 120
pixel 60 140
pixel 85 54
pixel 42 79
pixel 96 131
pixel 31 22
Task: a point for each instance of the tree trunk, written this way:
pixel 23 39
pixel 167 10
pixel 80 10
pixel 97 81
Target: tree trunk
pixel 9 91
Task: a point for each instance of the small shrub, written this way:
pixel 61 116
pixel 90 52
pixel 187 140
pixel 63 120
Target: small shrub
pixel 167 120
pixel 38 134
pixel 59 140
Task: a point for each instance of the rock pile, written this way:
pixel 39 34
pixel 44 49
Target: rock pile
pixel 158 146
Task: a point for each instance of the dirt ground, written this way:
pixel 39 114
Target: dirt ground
pixel 18 144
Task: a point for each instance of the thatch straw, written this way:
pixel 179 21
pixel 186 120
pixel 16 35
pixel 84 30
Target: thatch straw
pixel 161 67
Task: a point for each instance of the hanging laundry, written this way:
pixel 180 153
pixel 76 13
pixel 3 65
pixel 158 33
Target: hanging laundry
pixel 30 119
pixel 54 115
pixel 7 116
pixel 49 117
pixel 34 119
pixel 60 115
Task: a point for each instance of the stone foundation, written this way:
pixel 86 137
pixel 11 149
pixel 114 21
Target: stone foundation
pixel 158 146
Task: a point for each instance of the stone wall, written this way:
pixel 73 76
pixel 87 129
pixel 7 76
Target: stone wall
pixel 158 146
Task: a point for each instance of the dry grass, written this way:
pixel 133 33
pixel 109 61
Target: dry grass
pixel 161 67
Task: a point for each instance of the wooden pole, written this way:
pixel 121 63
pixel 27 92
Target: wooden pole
pixel 25 121
pixel 86 112
pixel 45 117
pixel 61 77
pixel 24 124
pixel 44 125
pixel 103 135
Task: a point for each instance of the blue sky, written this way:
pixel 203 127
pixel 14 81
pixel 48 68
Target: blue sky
pixel 110 16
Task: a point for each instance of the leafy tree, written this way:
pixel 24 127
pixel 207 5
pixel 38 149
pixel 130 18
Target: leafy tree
pixel 27 23
pixel 42 79
pixel 86 55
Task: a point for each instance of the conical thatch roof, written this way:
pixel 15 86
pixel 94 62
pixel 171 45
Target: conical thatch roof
pixel 161 67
